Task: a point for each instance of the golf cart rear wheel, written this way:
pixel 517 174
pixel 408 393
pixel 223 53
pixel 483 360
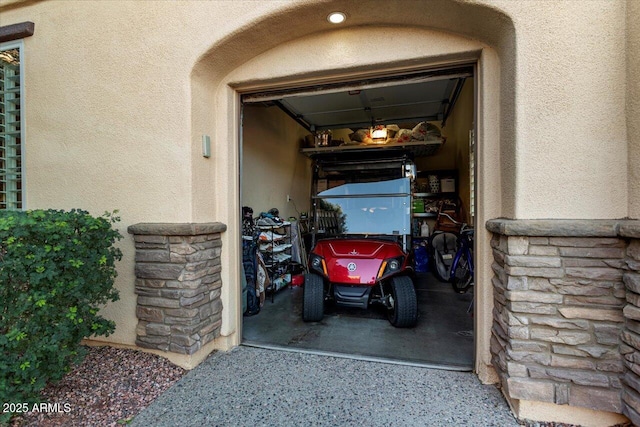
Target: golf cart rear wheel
pixel 313 298
pixel 403 312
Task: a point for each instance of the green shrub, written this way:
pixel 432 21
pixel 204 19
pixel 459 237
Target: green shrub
pixel 56 271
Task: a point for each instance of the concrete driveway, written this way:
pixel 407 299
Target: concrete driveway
pixel 260 387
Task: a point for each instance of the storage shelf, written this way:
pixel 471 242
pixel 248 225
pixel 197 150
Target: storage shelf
pixel 422 182
pixel 275 263
pixel 448 194
pixel 277 254
pixel 417 148
pixel 425 215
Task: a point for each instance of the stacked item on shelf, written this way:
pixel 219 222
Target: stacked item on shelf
pixel 452 208
pixel 392 134
pixel 274 246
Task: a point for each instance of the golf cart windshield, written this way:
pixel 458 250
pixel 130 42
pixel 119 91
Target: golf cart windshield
pixel 371 208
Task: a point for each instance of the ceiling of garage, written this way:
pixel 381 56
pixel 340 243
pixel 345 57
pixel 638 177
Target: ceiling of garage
pixel 427 96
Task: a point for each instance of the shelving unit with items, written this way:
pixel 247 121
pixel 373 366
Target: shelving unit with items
pixel 431 190
pixel 274 244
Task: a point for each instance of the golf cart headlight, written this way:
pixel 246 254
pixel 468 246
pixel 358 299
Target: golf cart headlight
pixel 390 266
pixel 317 264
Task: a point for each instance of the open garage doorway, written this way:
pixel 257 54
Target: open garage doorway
pixel 299 143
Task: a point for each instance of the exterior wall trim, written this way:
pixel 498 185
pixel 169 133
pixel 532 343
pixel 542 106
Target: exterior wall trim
pixel 16 31
pixel 565 227
pixel 177 229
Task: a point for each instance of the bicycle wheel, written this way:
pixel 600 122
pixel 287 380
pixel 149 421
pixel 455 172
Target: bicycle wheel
pixel 462 279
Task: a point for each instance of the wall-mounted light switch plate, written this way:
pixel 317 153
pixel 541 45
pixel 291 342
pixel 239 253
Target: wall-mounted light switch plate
pixel 206 146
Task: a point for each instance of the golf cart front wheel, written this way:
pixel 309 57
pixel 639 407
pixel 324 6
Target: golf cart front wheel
pixel 403 312
pixel 313 298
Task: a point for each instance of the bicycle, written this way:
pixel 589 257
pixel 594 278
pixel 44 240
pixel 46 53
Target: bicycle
pixel 461 272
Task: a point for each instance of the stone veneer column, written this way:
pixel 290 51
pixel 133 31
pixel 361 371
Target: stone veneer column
pixel 178 285
pixel 630 347
pixel 559 297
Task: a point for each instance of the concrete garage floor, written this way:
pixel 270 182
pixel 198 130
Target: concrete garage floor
pixel 443 337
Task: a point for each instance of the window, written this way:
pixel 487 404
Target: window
pixel 11 129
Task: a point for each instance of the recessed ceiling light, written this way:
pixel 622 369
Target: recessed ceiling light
pixel 336 17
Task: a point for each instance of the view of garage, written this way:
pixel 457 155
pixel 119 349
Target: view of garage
pixel 295 145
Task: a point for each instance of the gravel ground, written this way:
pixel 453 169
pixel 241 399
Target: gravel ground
pixel 108 388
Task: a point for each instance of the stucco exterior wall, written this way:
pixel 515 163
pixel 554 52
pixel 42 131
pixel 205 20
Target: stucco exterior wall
pixel 633 104
pixel 108 109
pixel 570 115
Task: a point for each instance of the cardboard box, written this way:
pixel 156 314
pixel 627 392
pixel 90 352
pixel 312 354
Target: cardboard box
pixel 447 185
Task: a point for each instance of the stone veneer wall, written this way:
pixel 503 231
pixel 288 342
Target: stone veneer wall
pixel 178 285
pixel 559 333
pixel 630 347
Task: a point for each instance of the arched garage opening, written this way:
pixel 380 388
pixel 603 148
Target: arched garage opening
pixel 282 169
pixel 250 60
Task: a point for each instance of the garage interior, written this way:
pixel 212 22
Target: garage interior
pixel 287 133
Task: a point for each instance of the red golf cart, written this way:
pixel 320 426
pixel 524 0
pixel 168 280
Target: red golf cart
pixel 361 233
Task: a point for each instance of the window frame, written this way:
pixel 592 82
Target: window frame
pixel 19 44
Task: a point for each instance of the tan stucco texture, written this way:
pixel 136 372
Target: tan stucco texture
pixel 119 94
